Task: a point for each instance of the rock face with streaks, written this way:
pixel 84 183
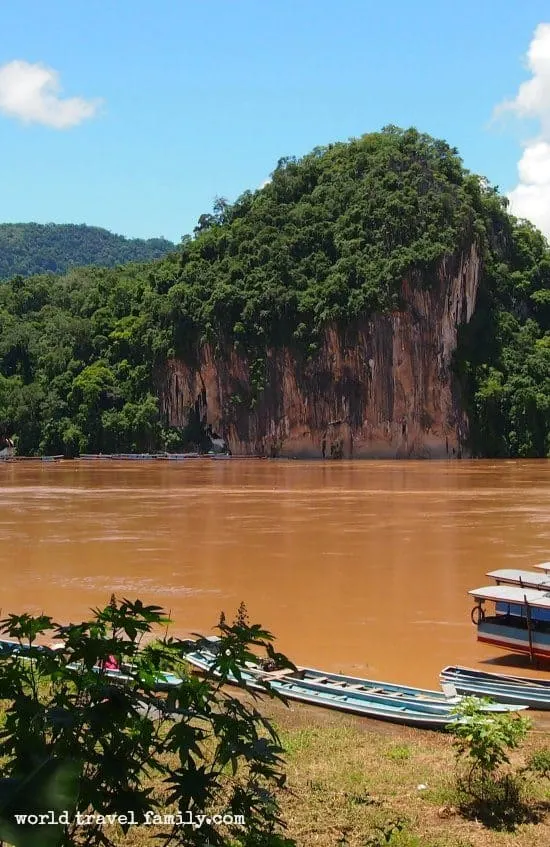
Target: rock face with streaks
pixel 384 390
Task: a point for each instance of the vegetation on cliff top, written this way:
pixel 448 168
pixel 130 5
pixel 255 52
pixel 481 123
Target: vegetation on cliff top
pixel 330 238
pixel 28 249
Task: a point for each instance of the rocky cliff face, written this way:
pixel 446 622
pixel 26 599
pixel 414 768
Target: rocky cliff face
pixel 386 392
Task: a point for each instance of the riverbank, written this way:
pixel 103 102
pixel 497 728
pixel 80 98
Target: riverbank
pixel 347 776
pixel 349 779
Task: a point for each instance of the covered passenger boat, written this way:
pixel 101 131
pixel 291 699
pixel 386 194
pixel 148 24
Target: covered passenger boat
pixel 519 620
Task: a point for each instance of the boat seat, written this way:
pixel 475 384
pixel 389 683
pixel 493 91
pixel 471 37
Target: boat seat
pixel 449 689
pixel 277 674
pixel 349 686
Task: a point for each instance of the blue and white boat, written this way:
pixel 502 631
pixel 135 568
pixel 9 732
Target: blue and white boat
pixel 531 692
pixel 520 622
pixel 162 680
pixel 372 698
pixel 9 647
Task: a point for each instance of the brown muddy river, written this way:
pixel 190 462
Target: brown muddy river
pixel 356 566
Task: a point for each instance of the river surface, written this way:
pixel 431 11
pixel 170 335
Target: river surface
pixel 362 567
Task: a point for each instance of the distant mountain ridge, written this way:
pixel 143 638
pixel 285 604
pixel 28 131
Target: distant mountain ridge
pixel 31 248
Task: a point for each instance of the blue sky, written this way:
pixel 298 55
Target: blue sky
pixel 200 99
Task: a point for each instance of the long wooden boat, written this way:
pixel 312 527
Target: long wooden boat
pixel 12 648
pixel 381 700
pixel 8 647
pixel 163 680
pixel 503 688
pixel 519 623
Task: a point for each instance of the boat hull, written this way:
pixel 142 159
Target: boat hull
pixel 162 681
pixel 514 638
pixel 394 713
pixel 533 693
pixel 423 712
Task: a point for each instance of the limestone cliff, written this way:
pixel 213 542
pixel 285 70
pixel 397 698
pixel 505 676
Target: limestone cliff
pixel 386 392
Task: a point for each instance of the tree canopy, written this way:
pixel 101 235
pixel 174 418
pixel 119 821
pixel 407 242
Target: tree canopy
pixel 329 239
pixel 30 248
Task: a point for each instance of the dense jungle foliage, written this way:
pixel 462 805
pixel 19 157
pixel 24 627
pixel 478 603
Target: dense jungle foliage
pixel 28 249
pixel 329 238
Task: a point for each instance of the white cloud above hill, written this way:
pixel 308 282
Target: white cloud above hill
pixel 31 93
pixel 531 197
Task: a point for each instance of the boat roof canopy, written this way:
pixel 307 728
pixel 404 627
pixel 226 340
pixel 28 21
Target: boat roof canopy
pixel 528 577
pixel 544 566
pixel 513 594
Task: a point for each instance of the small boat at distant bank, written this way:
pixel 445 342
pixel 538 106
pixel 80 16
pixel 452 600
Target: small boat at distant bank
pixel 7 448
pixel 179 457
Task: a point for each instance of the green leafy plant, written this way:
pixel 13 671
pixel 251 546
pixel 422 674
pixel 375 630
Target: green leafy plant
pixel 387 832
pixel 51 788
pixel 483 741
pixel 79 737
pixel 539 763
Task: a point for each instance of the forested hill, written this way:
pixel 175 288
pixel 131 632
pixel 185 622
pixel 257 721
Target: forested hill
pixel 30 248
pixel 328 240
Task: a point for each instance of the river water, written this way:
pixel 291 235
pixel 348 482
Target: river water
pixel 362 567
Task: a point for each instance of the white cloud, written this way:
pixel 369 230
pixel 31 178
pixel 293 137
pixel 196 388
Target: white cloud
pixel 531 197
pixel 31 93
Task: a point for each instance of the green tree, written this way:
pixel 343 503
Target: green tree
pixel 27 249
pixel 118 747
pixel 329 240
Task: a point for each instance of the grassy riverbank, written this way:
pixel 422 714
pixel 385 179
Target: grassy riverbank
pixel 349 775
pixel 349 778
